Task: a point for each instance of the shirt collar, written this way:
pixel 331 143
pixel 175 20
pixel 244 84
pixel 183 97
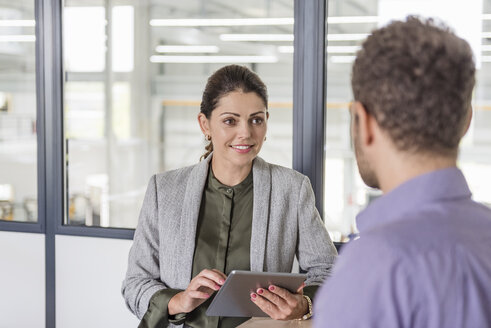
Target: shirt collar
pixel 216 185
pixel 427 188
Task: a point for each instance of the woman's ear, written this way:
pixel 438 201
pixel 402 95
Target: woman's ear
pixel 204 124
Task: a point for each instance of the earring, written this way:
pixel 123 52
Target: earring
pixel 207 137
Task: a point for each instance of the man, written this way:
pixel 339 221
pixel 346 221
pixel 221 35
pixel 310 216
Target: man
pixel 423 258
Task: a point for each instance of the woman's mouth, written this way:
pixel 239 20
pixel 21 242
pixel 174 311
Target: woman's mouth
pixel 242 148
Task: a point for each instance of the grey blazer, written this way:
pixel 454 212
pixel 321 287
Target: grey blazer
pixel 285 223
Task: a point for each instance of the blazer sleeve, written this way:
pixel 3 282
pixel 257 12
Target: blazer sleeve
pixel 142 279
pixel 315 251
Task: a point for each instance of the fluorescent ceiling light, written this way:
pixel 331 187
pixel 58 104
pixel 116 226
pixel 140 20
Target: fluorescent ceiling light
pixel 288 37
pixel 342 59
pixel 17 38
pixel 213 59
pixel 486 35
pixel 256 37
pixel 342 49
pixel 485 47
pixel 346 37
pixel 250 21
pixel 330 49
pixel 486 59
pixel 352 19
pixel 285 49
pixel 222 22
pixel 17 22
pixel 187 49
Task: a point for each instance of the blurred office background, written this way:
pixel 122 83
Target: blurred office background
pixel 132 74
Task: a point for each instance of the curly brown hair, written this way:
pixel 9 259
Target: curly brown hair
pixel 416 78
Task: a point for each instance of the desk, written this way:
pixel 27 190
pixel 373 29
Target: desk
pixel 270 323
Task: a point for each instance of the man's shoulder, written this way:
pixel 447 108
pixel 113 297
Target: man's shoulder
pixel 433 227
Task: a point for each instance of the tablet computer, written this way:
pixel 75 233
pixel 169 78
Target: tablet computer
pixel 234 297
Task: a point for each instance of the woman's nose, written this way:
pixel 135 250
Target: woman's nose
pixel 244 131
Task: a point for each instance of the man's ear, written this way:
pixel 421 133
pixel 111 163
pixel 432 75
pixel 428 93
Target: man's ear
pixel 468 121
pixel 204 124
pixel 364 123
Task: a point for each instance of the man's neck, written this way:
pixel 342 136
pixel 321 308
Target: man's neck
pixel 402 168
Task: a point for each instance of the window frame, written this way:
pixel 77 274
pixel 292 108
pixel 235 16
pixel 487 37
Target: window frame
pixel 308 130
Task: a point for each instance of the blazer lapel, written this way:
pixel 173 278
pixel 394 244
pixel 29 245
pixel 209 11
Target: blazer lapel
pixel 260 212
pixel 189 219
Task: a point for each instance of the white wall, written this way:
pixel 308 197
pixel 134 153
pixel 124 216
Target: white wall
pixel 22 280
pixel 89 272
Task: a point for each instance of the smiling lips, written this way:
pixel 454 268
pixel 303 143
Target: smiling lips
pixel 242 148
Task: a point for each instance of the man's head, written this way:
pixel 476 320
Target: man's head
pixel 414 81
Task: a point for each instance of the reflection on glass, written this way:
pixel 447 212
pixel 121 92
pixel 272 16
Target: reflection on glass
pixel 348 25
pixel 139 117
pixel 18 148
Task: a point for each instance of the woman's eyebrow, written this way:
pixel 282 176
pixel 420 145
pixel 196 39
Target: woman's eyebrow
pixel 230 113
pixel 238 115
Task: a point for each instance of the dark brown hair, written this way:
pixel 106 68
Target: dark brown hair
pixel 229 79
pixel 416 79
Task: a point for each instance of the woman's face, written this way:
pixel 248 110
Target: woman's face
pixel 237 127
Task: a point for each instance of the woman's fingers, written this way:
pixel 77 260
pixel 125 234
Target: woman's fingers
pixel 198 294
pixel 208 281
pixel 201 281
pixel 277 300
pixel 279 303
pixel 284 295
pixel 215 275
pixel 221 274
pixel 266 306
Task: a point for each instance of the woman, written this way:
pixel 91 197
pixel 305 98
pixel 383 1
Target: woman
pixel 231 211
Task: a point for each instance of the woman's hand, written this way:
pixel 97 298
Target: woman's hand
pixel 279 303
pixel 198 291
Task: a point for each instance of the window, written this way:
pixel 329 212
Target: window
pixel 348 25
pixel 131 103
pixel 18 138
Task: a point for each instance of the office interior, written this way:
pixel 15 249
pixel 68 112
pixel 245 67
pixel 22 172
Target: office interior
pixel 98 95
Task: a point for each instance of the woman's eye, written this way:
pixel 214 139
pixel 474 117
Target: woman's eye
pixel 229 121
pixel 257 120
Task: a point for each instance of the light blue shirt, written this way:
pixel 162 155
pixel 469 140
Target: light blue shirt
pixel 423 259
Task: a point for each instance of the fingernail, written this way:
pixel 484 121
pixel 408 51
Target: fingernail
pixel 207 295
pixel 253 299
pixel 221 281
pixel 217 287
pixel 253 295
pixel 271 288
pixel 259 291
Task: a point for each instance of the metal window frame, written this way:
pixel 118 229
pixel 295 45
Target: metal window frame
pixel 308 114
pixel 309 90
pixel 56 141
pixel 308 129
pixel 40 225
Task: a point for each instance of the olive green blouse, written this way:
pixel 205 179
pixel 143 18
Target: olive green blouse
pixel 223 242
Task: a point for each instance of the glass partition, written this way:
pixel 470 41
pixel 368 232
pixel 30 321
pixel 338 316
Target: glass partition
pixel 348 25
pixel 131 103
pixel 18 138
